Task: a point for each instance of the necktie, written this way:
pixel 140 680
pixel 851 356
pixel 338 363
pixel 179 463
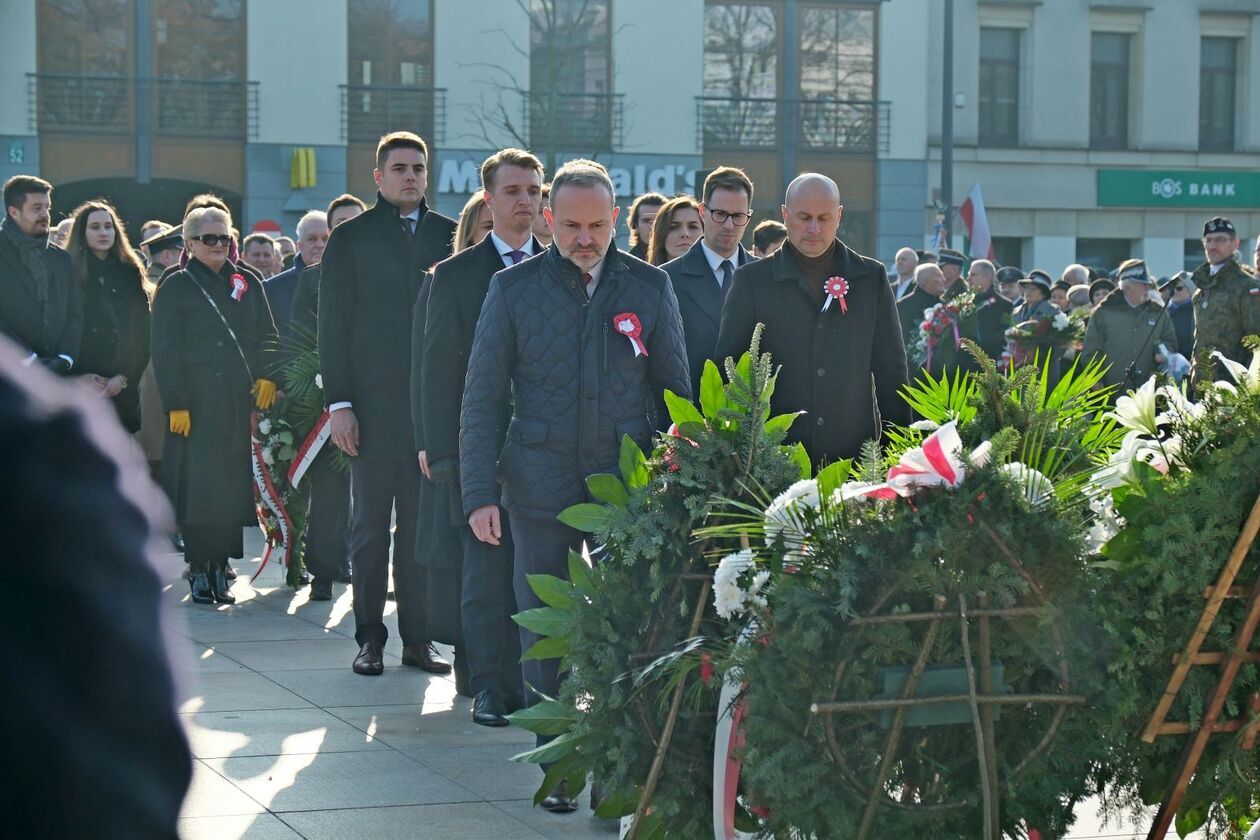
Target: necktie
pixel 409 226
pixel 586 281
pixel 516 256
pixel 727 271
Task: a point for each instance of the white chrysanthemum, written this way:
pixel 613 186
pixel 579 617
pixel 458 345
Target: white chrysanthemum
pixel 268 457
pixel 264 426
pixel 784 514
pixel 1038 489
pixel 925 425
pixel 728 598
pixel 319 381
pixel 1061 321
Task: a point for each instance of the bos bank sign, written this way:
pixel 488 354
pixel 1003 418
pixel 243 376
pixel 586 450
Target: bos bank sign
pixel 1177 188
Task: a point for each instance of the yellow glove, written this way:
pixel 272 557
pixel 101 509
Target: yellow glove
pixel 181 423
pixel 264 392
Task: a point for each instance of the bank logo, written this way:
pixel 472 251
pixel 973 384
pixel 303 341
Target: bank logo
pixel 1166 189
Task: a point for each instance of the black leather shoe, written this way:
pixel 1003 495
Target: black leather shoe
pixel 369 662
pixel 558 801
pixel 220 588
pixel 200 586
pixel 488 711
pixel 321 590
pixel 425 657
pixel 229 572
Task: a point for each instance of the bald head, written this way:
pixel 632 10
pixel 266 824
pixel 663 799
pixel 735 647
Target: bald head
pixel 980 275
pixel 906 260
pixel 930 278
pixel 1076 275
pixel 811 212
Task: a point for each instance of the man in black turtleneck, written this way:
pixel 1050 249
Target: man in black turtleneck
pixel 830 321
pixel 371 275
pixel 39 300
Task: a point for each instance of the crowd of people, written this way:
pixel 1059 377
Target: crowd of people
pixel 477 370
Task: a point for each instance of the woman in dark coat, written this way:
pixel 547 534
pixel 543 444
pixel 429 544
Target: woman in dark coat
pixel 114 293
pixel 213 343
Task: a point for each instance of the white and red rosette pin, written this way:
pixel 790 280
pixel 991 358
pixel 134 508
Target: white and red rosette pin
pixel 628 324
pixel 837 288
pixel 239 286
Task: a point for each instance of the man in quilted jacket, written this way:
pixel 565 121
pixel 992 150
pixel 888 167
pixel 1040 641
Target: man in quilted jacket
pixel 581 342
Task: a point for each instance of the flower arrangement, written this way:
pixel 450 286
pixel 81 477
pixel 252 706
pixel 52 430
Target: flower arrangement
pixel 942 331
pixel 1026 338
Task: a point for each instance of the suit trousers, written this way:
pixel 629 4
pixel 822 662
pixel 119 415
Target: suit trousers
pixel 491 643
pixel 328 525
pixel 379 487
pixel 540 546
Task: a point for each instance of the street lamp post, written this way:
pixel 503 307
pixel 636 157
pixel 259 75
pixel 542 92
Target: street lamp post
pixel 947 119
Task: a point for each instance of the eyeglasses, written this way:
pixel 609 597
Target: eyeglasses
pixel 720 216
pixel 212 240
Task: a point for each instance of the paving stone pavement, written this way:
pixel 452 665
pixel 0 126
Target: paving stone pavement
pixel 289 743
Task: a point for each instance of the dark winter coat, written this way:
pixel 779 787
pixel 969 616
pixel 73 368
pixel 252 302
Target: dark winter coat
pixel 829 358
pixel 1125 335
pixel 281 290
pixel 370 278
pixel 115 330
pixel 305 314
pixel 700 301
pixel 575 385
pixel 910 309
pixel 1182 317
pixel 200 370
pixel 47 325
pixel 993 318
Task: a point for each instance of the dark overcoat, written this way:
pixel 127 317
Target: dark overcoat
pixel 910 309
pixel 576 386
pixel 306 303
pixel 200 370
pixel 700 302
pixel 281 290
pixel 370 279
pixel 843 368
pixel 116 331
pixel 56 327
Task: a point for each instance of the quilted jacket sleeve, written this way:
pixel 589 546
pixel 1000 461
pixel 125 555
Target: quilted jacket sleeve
pixel 667 357
pixel 487 391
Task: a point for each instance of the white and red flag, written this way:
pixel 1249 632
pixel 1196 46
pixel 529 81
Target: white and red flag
pixel 977 224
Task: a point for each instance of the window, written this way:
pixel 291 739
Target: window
pixel 391 43
pixel 1008 250
pixel 1193 256
pixel 741 76
pixel 570 103
pixel 999 87
pixel 1217 94
pixel 84 38
pixel 199 40
pixel 1109 91
pixel 837 86
pixel 1105 255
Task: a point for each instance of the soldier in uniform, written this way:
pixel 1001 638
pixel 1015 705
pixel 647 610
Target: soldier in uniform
pixel 1226 302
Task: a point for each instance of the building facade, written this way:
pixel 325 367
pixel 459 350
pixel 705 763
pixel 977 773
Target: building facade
pixel 277 104
pixel 1097 129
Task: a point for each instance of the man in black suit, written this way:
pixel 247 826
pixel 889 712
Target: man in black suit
pixel 702 276
pixel 312 232
pixel 830 321
pixel 39 298
pixel 513 189
pixel 92 743
pixel 371 276
pixel 578 346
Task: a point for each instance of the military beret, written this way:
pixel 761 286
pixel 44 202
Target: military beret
pixel 1134 271
pixel 951 257
pixel 1219 224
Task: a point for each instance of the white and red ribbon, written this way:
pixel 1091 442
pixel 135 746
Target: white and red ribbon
pixel 269 498
pixel 937 463
pixel 728 741
pixel 310 449
pixel 239 286
pixel 837 288
pixel 628 324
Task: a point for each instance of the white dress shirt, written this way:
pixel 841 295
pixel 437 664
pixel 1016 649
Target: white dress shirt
pixel 505 249
pixel 715 261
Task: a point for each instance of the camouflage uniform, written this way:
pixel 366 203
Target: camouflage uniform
pixel 1226 308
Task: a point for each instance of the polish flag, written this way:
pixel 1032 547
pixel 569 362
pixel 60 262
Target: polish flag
pixel 973 216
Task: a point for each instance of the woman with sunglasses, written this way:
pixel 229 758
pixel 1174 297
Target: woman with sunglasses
pixel 214 341
pixel 114 291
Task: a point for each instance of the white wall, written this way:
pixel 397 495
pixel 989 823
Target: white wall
pixel 17 58
pixel 658 64
pixel 469 35
pixel 297 49
pixel 903 76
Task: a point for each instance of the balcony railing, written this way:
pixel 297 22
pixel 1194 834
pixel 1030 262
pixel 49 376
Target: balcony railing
pixel 369 111
pixel 574 122
pixel 842 125
pixel 107 105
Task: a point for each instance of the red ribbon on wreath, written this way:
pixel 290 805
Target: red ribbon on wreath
pixel 837 288
pixel 628 324
pixel 239 286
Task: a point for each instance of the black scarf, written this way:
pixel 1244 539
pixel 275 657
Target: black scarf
pixel 32 250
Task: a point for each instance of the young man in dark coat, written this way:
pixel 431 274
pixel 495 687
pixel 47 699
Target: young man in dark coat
pixel 702 276
pixel 93 745
pixel 370 278
pixel 581 343
pixel 513 186
pixel 830 321
pixel 213 343
pixel 39 301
